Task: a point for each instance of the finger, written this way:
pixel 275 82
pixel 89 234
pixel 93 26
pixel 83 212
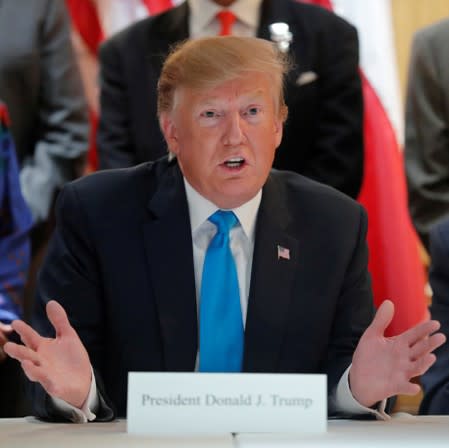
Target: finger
pixel 421 365
pixel 31 370
pixel 28 335
pixel 420 331
pixel 58 318
pixel 383 317
pixel 34 372
pixel 426 345
pixel 40 375
pixel 4 331
pixel 4 328
pixel 20 352
pixel 3 339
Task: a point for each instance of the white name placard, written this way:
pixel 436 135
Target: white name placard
pixel 212 403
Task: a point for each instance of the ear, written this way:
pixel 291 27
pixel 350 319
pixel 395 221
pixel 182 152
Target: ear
pixel 278 130
pixel 169 130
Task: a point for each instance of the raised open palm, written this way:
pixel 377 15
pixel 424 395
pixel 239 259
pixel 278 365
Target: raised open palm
pixel 61 364
pixel 383 366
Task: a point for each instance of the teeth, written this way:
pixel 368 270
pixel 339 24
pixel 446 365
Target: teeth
pixel 234 162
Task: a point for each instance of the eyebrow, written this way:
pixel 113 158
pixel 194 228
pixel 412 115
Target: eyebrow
pixel 213 100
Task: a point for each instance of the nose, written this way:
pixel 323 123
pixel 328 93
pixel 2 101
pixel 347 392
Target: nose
pixel 233 134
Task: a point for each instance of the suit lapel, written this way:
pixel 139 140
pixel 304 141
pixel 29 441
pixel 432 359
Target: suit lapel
pixel 168 244
pixel 272 282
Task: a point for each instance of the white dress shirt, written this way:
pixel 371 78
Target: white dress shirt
pixel 241 239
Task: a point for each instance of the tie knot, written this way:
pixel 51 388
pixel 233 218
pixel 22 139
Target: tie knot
pixel 224 221
pixel 226 19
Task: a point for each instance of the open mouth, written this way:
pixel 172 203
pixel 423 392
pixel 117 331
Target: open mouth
pixel 234 162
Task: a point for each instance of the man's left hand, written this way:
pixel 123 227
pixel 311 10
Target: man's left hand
pixel 383 366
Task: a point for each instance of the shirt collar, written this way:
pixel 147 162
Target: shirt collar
pixel 201 208
pixel 203 12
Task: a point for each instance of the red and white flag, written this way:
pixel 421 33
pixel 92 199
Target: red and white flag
pixel 394 262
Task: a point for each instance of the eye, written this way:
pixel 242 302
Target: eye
pixel 252 111
pixel 210 114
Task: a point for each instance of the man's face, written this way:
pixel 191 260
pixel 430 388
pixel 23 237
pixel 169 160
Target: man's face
pixel 225 137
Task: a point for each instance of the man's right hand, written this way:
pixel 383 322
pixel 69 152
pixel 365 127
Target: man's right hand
pixel 61 365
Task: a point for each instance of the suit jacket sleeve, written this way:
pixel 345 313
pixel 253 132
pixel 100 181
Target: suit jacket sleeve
pixel 435 381
pixel 353 314
pixel 337 158
pixel 45 409
pixel 63 138
pixel 71 276
pixel 427 134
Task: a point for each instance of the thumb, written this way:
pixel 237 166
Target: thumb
pixel 383 317
pixel 58 318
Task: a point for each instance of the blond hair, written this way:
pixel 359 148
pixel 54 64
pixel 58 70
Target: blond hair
pixel 208 62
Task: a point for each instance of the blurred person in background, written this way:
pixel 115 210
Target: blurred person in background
pixel 15 224
pixel 41 86
pixel 427 128
pixel 435 381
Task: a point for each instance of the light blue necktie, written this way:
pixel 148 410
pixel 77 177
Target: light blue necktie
pixel 221 325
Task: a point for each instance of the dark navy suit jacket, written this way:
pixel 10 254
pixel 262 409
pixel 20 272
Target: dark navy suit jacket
pixel 323 136
pixel 435 381
pixel 121 264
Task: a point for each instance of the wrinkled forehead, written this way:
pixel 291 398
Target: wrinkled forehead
pixel 255 86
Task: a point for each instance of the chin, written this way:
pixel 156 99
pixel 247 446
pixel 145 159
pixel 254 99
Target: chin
pixel 233 199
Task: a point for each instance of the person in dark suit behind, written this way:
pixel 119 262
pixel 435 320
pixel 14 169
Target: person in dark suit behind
pixel 131 244
pixel 323 136
pixel 436 381
pixel 427 128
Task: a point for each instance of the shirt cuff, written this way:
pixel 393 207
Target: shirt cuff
pixel 345 401
pixel 83 414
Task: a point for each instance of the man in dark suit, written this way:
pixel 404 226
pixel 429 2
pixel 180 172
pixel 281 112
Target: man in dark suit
pixel 130 247
pixel 323 136
pixel 436 381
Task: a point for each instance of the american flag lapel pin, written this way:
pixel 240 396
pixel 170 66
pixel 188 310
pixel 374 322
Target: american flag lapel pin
pixel 283 252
